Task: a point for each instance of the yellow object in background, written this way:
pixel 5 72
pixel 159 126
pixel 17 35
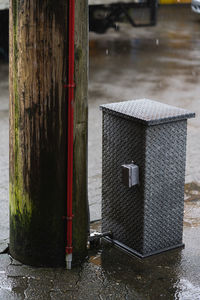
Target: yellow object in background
pixel 174 1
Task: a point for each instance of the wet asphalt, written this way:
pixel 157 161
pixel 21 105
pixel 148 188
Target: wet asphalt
pixel 160 63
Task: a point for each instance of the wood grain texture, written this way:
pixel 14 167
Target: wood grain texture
pixel 80 193
pixel 38 135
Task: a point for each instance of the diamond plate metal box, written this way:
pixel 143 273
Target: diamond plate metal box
pixel 147 218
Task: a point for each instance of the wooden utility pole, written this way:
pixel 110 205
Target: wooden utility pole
pixel 80 187
pixel 38 131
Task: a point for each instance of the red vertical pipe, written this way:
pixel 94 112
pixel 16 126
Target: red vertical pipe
pixel 70 87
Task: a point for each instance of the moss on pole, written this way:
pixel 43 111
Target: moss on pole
pixel 38 131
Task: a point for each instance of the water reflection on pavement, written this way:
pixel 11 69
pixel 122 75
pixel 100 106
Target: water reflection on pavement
pixel 160 63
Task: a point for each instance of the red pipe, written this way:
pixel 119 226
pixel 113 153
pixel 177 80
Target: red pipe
pixel 70 87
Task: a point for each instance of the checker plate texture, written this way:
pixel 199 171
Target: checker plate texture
pixel 148 217
pixel 147 111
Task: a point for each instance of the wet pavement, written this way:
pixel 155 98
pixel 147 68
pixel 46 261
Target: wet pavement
pixel 110 274
pixel 160 63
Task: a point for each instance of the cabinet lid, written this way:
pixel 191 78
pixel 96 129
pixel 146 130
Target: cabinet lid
pixel 147 111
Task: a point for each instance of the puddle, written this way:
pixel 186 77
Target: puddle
pixel 170 275
pixel 164 276
pixel 186 291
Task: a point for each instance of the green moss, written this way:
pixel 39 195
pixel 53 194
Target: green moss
pixel 37 194
pixel 19 199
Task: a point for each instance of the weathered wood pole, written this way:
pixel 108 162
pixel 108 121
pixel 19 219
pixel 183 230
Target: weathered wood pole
pixel 80 190
pixel 38 131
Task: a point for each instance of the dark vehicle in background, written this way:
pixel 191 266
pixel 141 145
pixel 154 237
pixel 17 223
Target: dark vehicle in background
pixel 195 5
pixel 105 14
